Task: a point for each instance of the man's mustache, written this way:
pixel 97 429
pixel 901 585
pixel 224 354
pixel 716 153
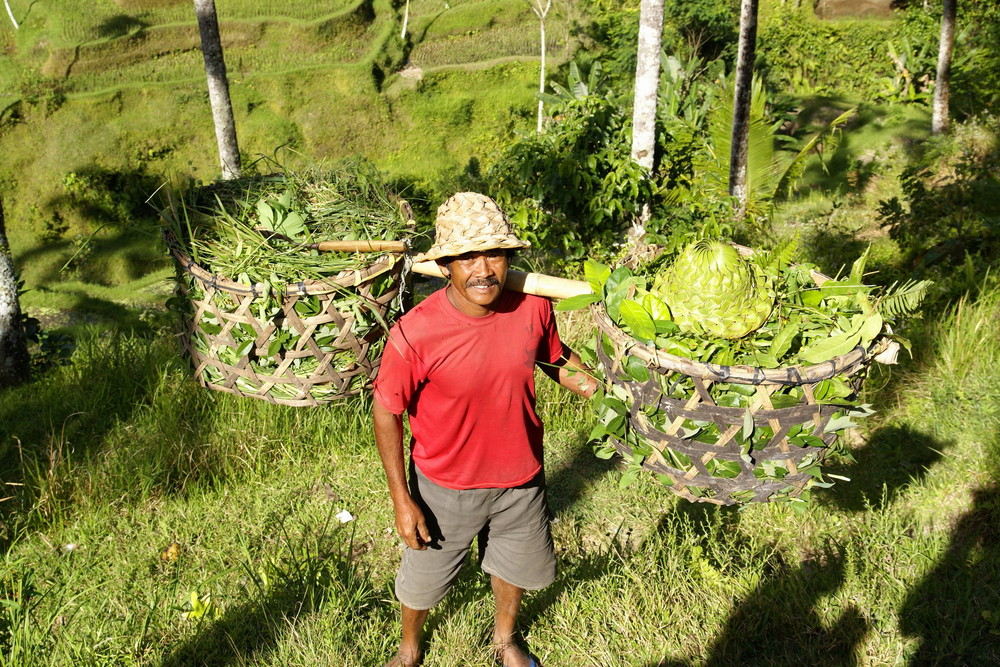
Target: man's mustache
pixel 483 282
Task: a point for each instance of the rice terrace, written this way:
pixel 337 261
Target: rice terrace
pixel 777 262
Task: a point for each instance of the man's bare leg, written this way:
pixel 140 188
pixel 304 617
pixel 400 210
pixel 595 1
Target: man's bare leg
pixel 508 598
pixel 409 648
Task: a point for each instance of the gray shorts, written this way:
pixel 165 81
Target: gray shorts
pixel 514 539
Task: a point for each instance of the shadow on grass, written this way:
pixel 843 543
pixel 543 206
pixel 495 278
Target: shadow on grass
pixel 777 624
pixel 54 427
pixel 894 457
pixel 955 609
pixel 320 572
pixel 850 167
pixel 572 480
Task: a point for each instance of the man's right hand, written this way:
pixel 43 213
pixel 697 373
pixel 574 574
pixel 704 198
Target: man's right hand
pixel 411 525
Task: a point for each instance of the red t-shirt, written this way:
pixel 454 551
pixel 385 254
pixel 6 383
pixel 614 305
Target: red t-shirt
pixel 468 385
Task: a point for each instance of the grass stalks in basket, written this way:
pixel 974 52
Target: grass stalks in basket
pixel 271 316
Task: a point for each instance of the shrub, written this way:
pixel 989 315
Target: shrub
pixel 949 213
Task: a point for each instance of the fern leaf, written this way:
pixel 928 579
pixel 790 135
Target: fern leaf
pixel 904 299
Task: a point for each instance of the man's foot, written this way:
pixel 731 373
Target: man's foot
pixel 402 659
pixel 509 655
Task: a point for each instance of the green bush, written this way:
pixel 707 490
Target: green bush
pixel 800 54
pixel 573 188
pixel 949 214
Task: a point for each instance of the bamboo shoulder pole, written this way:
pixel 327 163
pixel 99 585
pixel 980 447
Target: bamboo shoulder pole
pixel 360 246
pixel 538 284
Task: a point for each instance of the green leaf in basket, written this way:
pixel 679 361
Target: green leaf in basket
pixel 870 328
pixel 628 477
pixel 656 308
pixel 605 451
pixel 616 279
pixel 811 298
pixel 210 328
pixel 274 347
pixel 839 423
pixel 244 349
pixel 613 300
pixel 832 389
pixel 636 369
pixel 266 216
pixel 638 321
pixel 830 347
pixel 596 275
pixel 748 425
pixel 670 346
pixel 577 302
pixel 807 441
pixel 782 340
pixel 765 360
pixel 845 287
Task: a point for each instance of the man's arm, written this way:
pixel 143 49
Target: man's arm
pixel 571 373
pixel 410 522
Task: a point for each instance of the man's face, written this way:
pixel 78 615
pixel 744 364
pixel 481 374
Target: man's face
pixel 477 280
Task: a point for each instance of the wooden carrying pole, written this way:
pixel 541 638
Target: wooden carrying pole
pixel 538 284
pixel 360 246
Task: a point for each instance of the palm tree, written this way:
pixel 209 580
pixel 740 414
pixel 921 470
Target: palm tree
pixel 218 88
pixel 647 83
pixel 14 359
pixel 6 3
pixel 741 106
pixel 942 84
pixel 541 12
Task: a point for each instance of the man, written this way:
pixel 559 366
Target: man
pixel 461 365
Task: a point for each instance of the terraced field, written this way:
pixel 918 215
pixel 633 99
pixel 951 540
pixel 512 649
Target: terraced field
pixel 111 91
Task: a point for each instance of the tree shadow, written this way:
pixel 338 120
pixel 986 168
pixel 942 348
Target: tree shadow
pixel 573 479
pixel 120 25
pixel 895 457
pixel 53 426
pixel 955 609
pixel 847 168
pixel 777 624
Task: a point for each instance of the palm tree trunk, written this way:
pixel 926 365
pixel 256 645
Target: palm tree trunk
pixel 741 106
pixel 942 84
pixel 6 3
pixel 647 83
pixel 15 364
pixel 541 13
pixel 218 88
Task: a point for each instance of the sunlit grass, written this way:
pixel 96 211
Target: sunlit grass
pixel 142 488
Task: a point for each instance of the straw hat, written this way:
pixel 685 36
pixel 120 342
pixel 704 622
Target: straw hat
pixel 470 222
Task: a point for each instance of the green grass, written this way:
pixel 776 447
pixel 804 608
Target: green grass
pixel 122 456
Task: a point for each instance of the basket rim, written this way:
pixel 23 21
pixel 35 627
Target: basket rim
pixel 348 278
pixel 845 364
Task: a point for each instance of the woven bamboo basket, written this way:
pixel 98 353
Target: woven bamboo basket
pixel 695 481
pixel 336 368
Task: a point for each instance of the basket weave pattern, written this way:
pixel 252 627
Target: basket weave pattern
pixel 235 305
pixel 699 406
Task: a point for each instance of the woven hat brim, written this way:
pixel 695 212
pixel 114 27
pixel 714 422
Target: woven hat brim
pixel 462 247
